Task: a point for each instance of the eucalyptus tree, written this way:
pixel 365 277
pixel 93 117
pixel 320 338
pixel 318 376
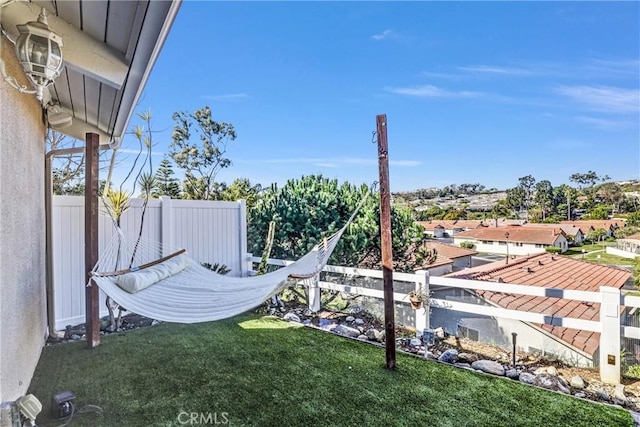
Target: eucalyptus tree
pixel 199 146
pixel 544 197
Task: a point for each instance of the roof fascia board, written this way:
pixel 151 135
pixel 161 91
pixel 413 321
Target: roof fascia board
pixel 130 99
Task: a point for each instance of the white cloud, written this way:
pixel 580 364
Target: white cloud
pixel 503 71
pixel 383 35
pixel 430 91
pixel 614 67
pixel 604 124
pixel 603 98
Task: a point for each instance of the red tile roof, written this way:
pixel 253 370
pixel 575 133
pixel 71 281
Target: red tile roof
pixel 450 251
pixel 635 236
pixel 569 229
pixel 586 224
pixel 551 271
pixel 452 224
pixel 517 233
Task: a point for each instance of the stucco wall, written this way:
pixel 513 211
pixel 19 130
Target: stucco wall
pixel 22 221
pixel 497 331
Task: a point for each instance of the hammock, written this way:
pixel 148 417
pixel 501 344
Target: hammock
pixel 187 292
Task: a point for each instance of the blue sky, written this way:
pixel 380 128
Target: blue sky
pixel 473 92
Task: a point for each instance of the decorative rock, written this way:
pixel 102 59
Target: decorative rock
pixel 488 366
pixel 155 322
pixel 540 371
pixel 363 337
pixel 548 381
pixel 467 358
pixel 563 382
pixel 563 389
pixel 355 309
pixel 372 334
pixel 306 322
pixel 439 332
pixel 346 331
pixel 76 337
pixel 325 324
pixel 292 317
pixel 602 394
pixel 578 382
pixel 448 356
pixel 350 319
pixel 382 336
pixel 619 397
pixel 581 394
pixel 551 370
pixel 512 374
pixel 359 322
pixel 429 355
pixel 415 342
pixel 526 378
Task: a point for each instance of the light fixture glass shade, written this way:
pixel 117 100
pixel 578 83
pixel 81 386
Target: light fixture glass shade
pixel 38 50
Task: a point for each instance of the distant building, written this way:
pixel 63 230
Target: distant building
pixel 514 240
pixel 574 233
pixel 576 347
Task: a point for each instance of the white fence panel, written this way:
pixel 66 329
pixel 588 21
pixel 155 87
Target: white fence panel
pixel 210 231
pixel 608 325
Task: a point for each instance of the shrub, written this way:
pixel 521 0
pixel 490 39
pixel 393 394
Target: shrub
pixel 467 245
pixel 553 249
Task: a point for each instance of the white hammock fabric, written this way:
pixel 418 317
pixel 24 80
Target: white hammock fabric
pixel 197 294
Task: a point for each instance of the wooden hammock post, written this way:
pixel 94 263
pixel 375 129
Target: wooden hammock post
pixel 385 236
pixel 92 311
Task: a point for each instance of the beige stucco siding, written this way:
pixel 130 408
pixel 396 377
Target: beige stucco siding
pixel 22 233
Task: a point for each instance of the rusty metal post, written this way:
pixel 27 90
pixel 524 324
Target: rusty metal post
pixel 385 236
pixel 92 297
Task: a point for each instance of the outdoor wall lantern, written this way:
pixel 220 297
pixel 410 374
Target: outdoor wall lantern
pixel 39 51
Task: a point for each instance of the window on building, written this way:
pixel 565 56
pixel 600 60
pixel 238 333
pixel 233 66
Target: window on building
pixel 465 332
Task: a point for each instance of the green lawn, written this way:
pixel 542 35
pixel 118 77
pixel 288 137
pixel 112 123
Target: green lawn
pixel 577 250
pixel 260 371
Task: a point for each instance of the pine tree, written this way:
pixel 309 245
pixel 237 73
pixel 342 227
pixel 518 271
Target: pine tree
pixel 166 184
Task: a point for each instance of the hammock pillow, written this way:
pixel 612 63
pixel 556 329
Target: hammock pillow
pixel 141 279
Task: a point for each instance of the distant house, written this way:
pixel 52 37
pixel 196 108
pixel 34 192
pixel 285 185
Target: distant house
pixel 504 222
pixel 574 234
pixel 514 240
pixel 460 258
pixel 443 227
pixel 609 225
pixel 432 229
pixel 543 270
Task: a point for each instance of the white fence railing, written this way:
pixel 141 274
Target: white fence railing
pixel 210 231
pixel 609 325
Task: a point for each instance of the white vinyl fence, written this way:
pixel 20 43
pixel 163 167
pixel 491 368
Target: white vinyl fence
pixel 610 324
pixel 210 231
